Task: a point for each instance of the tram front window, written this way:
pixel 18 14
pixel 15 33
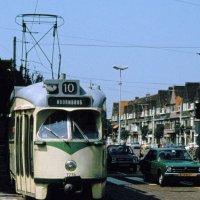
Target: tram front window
pixel 55 126
pixel 84 124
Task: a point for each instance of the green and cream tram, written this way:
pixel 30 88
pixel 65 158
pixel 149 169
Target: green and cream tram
pixel 57 138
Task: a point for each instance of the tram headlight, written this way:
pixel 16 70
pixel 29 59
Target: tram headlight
pixel 70 165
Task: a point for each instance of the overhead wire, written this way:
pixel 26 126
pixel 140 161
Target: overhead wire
pixel 166 48
pixel 109 80
pixel 188 2
pixel 36 51
pixel 144 46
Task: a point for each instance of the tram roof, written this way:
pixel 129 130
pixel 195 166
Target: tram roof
pixel 37 94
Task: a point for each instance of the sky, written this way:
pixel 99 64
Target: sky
pixel 158 40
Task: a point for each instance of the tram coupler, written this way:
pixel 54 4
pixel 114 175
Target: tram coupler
pixel 72 185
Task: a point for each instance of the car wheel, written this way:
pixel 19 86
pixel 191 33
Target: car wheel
pixel 161 179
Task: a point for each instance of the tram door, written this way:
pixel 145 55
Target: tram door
pixel 24 152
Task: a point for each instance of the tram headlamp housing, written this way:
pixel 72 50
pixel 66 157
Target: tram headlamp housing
pixel 52 88
pixel 70 165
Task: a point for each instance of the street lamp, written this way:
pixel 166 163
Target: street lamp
pixel 120 68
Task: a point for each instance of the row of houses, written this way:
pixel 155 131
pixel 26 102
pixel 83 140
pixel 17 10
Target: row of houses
pixel 170 111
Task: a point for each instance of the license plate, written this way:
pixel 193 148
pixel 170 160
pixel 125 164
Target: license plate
pixel 187 174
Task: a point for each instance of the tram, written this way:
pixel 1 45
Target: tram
pixel 56 138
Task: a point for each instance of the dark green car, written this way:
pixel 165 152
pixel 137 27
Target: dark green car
pixel 169 165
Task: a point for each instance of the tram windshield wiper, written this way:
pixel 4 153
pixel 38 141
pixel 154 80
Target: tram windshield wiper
pixel 81 132
pixel 55 134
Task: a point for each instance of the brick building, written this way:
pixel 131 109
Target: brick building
pixel 174 109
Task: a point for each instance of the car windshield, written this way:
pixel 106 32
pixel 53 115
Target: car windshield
pixel 174 154
pixel 122 149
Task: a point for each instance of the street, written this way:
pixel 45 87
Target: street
pixel 129 186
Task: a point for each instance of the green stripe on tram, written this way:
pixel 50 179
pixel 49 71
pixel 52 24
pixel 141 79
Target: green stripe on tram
pixel 70 147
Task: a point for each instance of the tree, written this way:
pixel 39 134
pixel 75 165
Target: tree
pixel 124 135
pixel 108 127
pixel 144 130
pixel 198 140
pixel 177 128
pixel 36 77
pixel 197 153
pixel 159 132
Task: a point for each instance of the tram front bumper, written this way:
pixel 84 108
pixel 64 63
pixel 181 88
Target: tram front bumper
pixel 73 184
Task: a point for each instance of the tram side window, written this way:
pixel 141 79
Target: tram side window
pixel 84 123
pixel 55 126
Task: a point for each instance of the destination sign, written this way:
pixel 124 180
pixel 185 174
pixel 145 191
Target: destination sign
pixel 69 101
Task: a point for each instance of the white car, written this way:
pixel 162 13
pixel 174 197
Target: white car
pixel 191 145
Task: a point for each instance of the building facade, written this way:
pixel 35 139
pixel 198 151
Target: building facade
pixel 168 116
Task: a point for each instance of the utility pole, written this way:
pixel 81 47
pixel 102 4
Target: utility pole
pixel 180 121
pixel 153 124
pixel 14 53
pixel 120 84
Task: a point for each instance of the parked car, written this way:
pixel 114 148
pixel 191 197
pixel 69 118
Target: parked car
pixel 121 157
pixel 169 164
pixel 134 145
pixel 168 145
pixel 146 146
pixel 179 145
pixel 191 145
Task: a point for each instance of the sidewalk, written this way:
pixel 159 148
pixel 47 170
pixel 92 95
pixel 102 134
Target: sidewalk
pixel 7 194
